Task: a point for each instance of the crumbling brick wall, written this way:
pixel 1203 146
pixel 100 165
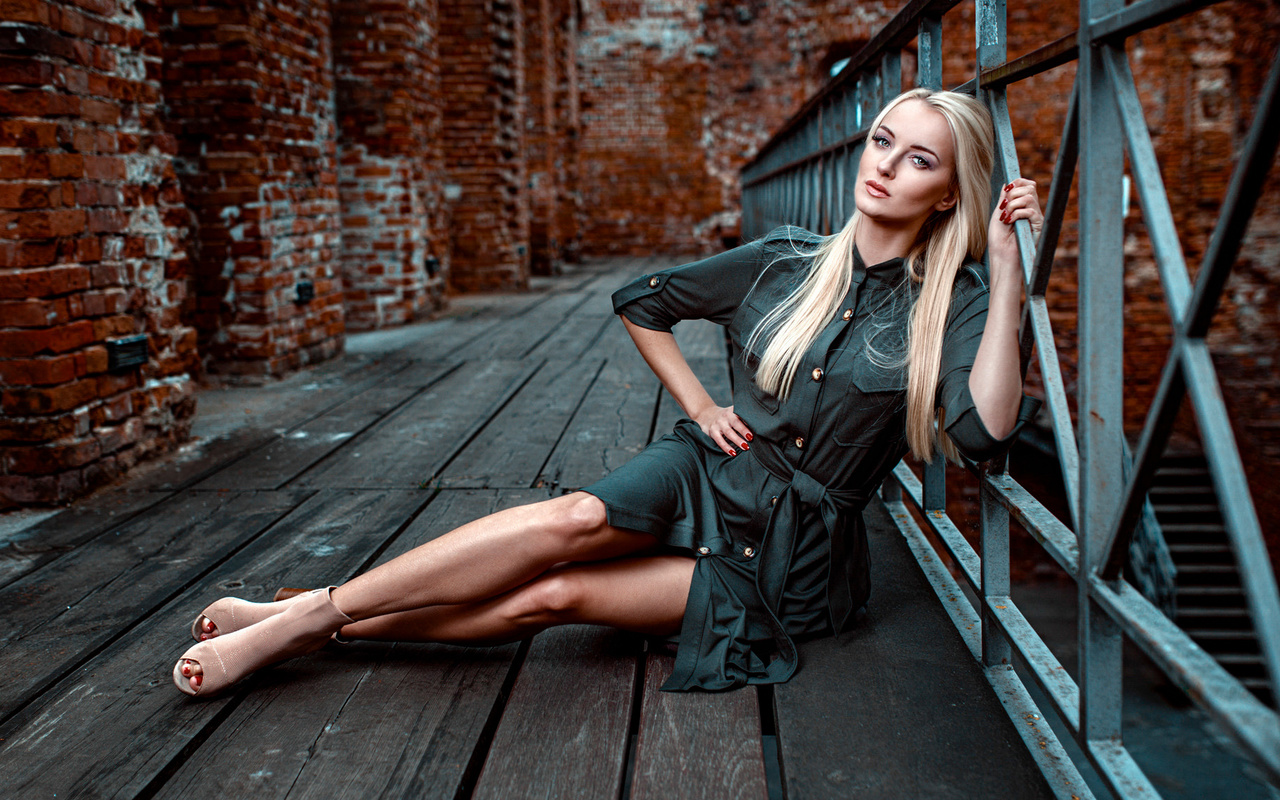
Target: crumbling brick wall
pixel 250 97
pixel 482 76
pixel 391 163
pixel 678 95
pixel 92 249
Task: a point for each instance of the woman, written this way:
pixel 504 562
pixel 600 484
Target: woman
pixel 741 529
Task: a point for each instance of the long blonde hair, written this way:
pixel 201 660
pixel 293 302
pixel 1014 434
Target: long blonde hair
pixel 946 241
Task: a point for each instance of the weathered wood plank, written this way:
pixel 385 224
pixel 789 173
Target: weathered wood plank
pixel 519 334
pixel 897 707
pixel 59 615
pixel 610 427
pixel 116 724
pixel 54 537
pixel 696 745
pixel 301 397
pixel 412 445
pixel 585 676
pixel 276 463
pixel 510 451
pixel 366 720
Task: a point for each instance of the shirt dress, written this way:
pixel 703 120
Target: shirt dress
pixel 777 530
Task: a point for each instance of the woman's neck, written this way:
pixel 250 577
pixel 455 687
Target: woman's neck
pixel 878 243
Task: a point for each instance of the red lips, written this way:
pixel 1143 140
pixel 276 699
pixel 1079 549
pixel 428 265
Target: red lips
pixel 876 190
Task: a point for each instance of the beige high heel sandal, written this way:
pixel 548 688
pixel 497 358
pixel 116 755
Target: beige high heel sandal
pixel 302 628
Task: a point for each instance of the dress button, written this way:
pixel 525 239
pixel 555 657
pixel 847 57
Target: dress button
pixel 748 552
pixel 847 315
pixel 773 501
pixel 817 373
pixel 799 442
pixel 654 282
pixel 704 550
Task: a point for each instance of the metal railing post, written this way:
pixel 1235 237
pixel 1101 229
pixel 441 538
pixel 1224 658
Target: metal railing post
pixel 1101 395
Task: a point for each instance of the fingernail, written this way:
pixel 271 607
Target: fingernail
pixel 744 446
pixel 749 437
pixel 733 452
pixel 1004 202
pixel 1008 186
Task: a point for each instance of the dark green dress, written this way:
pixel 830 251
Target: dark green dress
pixel 777 530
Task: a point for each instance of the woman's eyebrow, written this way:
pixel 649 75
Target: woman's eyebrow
pixel 889 130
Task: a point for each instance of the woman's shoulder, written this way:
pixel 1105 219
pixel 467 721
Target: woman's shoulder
pixel 793 235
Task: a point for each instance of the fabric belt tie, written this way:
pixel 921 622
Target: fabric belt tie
pixel 778 552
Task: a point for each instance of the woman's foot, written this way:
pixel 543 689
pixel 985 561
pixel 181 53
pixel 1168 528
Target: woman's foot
pixel 302 627
pixel 231 614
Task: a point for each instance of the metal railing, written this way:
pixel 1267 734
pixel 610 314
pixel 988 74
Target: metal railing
pixel 804 176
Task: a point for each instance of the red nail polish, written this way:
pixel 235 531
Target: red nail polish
pixel 1004 202
pixel 743 445
pixel 1008 186
pixel 186 670
pixel 196 681
pixel 733 452
pixel 749 437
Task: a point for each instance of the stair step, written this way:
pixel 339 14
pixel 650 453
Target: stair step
pixel 1239 659
pixel 1207 569
pixel 1210 591
pixel 1193 549
pixel 1227 612
pixel 1216 528
pixel 1217 634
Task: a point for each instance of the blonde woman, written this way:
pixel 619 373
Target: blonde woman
pixel 742 529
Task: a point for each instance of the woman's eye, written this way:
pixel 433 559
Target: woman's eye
pixel 880 141
pixel 921 161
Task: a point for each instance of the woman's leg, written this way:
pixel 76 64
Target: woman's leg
pixel 478 561
pixel 644 594
pixel 490 556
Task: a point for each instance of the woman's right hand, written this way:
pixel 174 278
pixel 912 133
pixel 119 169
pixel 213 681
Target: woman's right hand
pixel 725 428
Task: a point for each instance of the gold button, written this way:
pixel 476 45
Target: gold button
pixel 748 552
pixel 817 373
pixel 847 315
pixel 654 282
pixel 773 501
pixel 799 442
pixel 704 550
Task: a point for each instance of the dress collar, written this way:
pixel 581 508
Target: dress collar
pixel 882 269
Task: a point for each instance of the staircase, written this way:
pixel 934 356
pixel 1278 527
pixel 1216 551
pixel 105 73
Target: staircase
pixel 1210 599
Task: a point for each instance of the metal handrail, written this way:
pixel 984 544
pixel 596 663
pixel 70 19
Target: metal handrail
pixel 800 177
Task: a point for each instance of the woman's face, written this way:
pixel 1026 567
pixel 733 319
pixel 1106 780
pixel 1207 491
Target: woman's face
pixel 907 167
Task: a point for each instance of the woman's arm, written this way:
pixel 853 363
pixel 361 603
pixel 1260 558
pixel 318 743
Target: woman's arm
pixel 996 380
pixel 663 356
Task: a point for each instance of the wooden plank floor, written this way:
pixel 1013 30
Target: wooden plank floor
pixel 505 400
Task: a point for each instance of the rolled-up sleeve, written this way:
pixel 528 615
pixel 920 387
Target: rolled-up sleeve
pixel 960 343
pixel 712 288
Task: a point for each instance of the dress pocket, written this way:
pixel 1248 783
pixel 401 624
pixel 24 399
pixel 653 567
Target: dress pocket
pixel 873 399
pixel 754 394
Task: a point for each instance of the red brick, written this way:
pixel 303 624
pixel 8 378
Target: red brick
pixel 38 371
pixel 32 313
pixel 21 402
pixel 39 341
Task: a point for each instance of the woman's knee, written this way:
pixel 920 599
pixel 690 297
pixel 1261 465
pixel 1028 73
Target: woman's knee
pixel 579 514
pixel 553 599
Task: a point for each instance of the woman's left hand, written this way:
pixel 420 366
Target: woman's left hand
pixel 1017 200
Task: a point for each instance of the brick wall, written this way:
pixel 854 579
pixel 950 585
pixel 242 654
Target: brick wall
pixel 92 248
pixel 391 164
pixel 250 97
pixel 482 78
pixel 679 94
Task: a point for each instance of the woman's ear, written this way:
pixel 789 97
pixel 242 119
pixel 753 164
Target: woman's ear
pixel 947 203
